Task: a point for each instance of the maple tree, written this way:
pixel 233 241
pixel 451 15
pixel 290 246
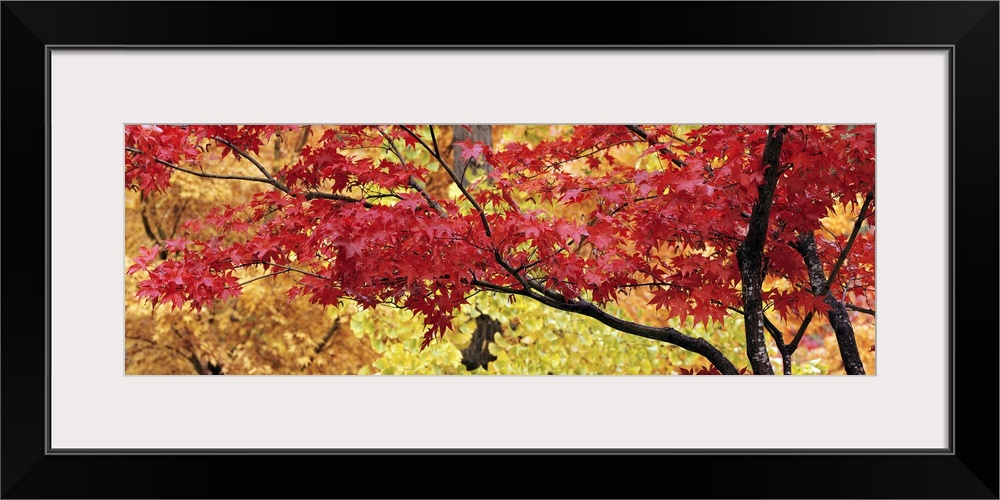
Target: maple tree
pixel 700 222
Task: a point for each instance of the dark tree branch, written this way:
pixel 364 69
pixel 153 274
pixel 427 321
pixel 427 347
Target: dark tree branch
pixel 581 156
pixel 839 319
pixel 833 274
pixel 252 160
pixel 312 195
pixel 794 344
pixel 287 268
pixel 663 149
pixel 750 255
pixel 482 215
pixel 500 288
pixel 662 334
pixel 850 242
pixel 309 195
pixel 859 309
pixel 779 340
pixel 251 280
pixel 434 140
pixel 458 182
pixel 412 181
pixel 641 133
pixel 660 284
pixel 430 201
pixel 637 200
pixel 210 176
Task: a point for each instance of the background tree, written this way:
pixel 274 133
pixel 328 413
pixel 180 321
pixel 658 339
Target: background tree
pixel 475 163
pixel 704 221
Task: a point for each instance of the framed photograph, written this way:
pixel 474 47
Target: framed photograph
pixel 91 412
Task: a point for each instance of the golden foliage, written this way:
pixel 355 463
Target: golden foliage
pixel 260 332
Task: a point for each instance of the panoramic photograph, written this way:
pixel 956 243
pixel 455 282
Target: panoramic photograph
pixel 499 249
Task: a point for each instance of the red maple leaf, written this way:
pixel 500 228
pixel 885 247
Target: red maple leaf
pixel 471 150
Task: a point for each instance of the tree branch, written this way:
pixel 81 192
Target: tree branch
pixel 247 282
pixel 779 340
pixel 794 344
pixel 300 271
pixel 637 200
pixel 641 133
pixel 434 140
pixel 312 195
pixel 859 308
pixel 662 334
pixel 482 214
pixel 458 182
pixel 850 242
pixel 309 195
pixel 269 182
pixel 837 314
pixel 254 161
pixel 412 181
pixel 430 201
pixel 663 149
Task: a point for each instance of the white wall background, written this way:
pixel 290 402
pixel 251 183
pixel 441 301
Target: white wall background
pixel 95 92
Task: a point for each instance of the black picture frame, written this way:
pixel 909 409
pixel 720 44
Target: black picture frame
pixel 969 29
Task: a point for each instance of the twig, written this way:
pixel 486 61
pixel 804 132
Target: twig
pixel 312 195
pixel 247 282
pixel 664 148
pixel 202 174
pixel 430 201
pixel 447 168
pixel 794 344
pixel 412 181
pixel 434 139
pixel 859 308
pixel 252 160
pixel 300 271
pixel 641 133
pixel 850 242
pixel 309 195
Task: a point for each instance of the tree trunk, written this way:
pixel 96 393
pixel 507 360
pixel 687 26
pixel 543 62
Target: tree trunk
pixel 477 354
pixel 480 133
pixel 839 319
pixel 750 257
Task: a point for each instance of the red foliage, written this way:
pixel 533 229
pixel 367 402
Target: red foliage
pixel 711 370
pixel 429 258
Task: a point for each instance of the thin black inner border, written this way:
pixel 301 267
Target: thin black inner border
pixel 949 450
